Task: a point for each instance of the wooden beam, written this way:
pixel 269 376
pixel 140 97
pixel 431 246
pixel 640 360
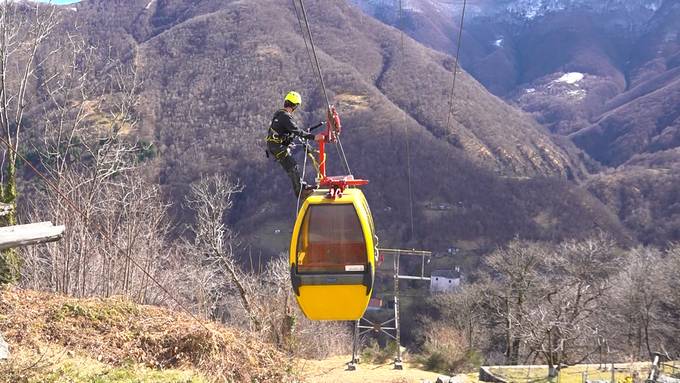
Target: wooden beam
pixel 30 234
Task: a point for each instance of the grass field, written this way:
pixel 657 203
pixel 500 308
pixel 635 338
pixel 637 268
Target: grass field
pixel 57 365
pixel 573 374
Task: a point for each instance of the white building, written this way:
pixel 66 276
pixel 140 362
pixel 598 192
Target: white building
pixel 444 280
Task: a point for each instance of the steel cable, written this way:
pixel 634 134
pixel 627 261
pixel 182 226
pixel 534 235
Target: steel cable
pixel 339 148
pixel 455 67
pixel 406 133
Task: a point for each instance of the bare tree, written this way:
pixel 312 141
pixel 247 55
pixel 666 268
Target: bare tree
pixel 567 303
pixel 635 308
pixel 214 242
pixel 118 221
pixel 24 28
pixel 515 270
pixel 561 325
pixel 465 310
pixel 275 304
pixel 137 219
pixel 668 285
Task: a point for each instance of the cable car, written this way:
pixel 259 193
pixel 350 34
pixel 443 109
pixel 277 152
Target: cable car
pixel 333 248
pixel 332 255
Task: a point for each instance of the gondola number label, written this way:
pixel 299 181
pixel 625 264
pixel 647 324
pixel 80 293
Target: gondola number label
pixel 354 267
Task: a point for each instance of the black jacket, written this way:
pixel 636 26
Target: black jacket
pixel 283 128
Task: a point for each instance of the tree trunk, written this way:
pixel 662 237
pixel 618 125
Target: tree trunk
pixel 10 191
pixel 514 358
pixel 231 268
pixel 10 263
pixel 10 266
pixel 553 370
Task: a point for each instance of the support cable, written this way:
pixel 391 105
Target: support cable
pixel 338 143
pixel 455 67
pixel 101 231
pixel 302 33
pixel 406 133
pixel 316 58
pixel 311 65
pixel 339 148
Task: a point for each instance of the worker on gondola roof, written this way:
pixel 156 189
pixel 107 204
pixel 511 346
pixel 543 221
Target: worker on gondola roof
pixel 282 131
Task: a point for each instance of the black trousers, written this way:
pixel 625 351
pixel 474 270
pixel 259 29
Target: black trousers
pixel 283 156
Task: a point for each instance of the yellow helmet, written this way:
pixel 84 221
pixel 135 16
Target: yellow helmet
pixel 294 98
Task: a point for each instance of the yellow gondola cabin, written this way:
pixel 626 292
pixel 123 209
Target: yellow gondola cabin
pixel 333 255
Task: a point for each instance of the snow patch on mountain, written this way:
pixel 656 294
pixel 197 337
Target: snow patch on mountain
pixel 524 9
pixel 638 11
pixel 654 6
pixel 571 77
pixel 530 9
pixel 577 94
pixel 411 6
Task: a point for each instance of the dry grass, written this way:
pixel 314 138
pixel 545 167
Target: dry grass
pixel 118 333
pixel 573 374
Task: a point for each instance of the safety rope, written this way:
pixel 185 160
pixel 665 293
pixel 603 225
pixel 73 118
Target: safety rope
pixel 302 178
pixel 101 231
pixel 406 133
pixel 455 67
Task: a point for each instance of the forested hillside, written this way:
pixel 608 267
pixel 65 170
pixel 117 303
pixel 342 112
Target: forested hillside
pixel 603 74
pixel 214 72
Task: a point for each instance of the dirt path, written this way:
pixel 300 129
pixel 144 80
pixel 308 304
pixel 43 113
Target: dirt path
pixel 334 370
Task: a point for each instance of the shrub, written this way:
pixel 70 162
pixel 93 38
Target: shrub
pixel 445 352
pixel 376 354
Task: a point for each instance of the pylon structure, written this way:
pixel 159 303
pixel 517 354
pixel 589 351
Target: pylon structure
pixel 389 327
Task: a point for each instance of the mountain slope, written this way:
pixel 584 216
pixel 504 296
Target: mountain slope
pixel 214 72
pixel 645 118
pixel 519 49
pixel 604 74
pixel 645 194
